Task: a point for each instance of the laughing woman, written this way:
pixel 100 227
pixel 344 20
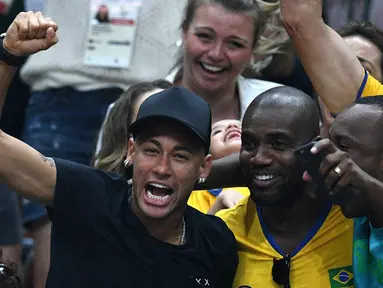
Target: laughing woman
pixel 219 38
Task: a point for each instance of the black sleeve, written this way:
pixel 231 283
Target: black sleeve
pixel 229 259
pixel 81 192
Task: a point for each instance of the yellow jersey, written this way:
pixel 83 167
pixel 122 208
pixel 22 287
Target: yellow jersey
pixel 324 258
pixel 370 87
pixel 202 200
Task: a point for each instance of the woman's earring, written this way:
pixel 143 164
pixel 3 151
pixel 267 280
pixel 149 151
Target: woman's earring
pixel 127 162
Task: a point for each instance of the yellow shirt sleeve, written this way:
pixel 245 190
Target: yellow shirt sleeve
pixel 370 87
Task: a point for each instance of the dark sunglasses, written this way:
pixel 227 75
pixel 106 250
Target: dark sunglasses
pixel 281 271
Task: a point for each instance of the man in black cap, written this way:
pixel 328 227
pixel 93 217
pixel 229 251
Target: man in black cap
pixel 105 232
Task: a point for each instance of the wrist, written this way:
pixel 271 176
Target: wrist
pixel 9 51
pixel 7 56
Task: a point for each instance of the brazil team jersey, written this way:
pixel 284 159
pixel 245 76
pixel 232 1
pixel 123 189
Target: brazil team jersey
pixel 324 258
pixel 202 200
pixel 370 87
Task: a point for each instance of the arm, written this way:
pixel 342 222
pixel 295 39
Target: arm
pixel 24 169
pixel 332 66
pixel 225 172
pixel 217 206
pixel 225 200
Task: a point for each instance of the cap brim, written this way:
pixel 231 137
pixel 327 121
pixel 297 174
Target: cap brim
pixel 138 126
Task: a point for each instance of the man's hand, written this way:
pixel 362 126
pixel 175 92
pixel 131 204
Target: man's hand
pixel 30 33
pixel 358 193
pixel 339 170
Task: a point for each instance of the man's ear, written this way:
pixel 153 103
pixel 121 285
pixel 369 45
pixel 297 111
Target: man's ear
pixel 206 166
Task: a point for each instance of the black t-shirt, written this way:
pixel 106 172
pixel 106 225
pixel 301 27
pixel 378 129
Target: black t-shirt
pixel 97 241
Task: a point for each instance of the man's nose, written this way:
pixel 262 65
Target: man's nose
pixel 163 167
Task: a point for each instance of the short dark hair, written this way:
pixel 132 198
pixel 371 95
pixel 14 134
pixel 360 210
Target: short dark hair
pixel 302 104
pixel 376 101
pixel 371 100
pixel 366 30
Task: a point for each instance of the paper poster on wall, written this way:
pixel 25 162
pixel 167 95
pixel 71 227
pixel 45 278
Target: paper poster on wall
pixel 112 33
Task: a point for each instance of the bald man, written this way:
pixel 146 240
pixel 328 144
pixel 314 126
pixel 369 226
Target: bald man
pixel 285 236
pixel 356 182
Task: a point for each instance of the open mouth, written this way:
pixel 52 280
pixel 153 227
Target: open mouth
pixel 233 135
pixel 158 194
pixel 211 68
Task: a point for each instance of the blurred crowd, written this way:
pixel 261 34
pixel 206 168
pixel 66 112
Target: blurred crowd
pixel 77 100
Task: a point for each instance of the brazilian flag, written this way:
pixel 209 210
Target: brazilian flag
pixel 341 277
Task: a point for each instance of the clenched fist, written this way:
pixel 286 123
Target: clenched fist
pixel 30 33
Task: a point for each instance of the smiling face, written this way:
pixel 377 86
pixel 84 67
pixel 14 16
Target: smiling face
pixel 363 147
pixel 269 138
pixel 225 138
pixel 167 162
pixel 218 46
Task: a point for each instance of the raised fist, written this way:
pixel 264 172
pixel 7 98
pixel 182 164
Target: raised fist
pixel 30 33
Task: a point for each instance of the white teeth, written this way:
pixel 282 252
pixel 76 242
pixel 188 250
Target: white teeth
pixel 155 197
pixel 212 68
pixel 264 177
pixel 159 186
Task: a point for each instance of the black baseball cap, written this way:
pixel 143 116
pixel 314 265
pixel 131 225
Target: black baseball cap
pixel 180 105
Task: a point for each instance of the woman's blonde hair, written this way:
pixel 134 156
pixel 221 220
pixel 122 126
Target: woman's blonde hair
pixel 273 41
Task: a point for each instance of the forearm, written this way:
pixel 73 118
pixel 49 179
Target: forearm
pixel 225 172
pixel 6 76
pixel 331 65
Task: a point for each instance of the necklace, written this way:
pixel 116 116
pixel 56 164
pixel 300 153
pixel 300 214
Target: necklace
pixel 183 232
pixel 183 229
